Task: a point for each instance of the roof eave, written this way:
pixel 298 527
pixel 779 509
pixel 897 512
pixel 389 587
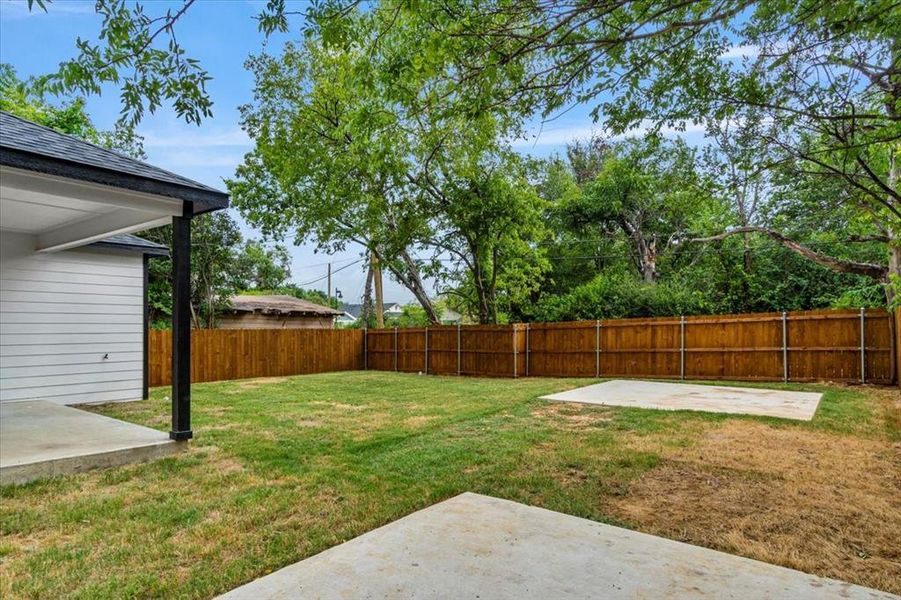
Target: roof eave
pixel 202 201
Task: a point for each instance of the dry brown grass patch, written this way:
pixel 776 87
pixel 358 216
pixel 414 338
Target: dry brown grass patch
pixel 572 415
pixel 816 502
pixel 252 384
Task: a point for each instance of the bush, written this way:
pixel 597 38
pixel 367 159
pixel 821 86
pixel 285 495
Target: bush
pixel 620 296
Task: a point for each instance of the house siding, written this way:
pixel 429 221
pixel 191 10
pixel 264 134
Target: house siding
pixel 60 314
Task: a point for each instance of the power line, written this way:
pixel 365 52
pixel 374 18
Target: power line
pixel 317 280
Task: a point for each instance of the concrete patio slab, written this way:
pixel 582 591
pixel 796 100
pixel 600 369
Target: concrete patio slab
pixel 474 546
pixel 685 396
pixel 41 439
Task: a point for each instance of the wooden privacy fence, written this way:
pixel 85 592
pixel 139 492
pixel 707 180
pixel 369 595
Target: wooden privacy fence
pixel 220 354
pixel 835 345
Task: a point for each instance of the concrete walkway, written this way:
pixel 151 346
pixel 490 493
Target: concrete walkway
pixel 474 546
pixel 41 439
pixel 685 396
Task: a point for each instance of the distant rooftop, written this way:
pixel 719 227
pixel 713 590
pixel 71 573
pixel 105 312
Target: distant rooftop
pixel 279 305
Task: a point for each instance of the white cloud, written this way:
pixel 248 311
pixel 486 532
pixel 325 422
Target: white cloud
pixel 564 135
pixel 746 51
pixel 195 138
pixel 18 9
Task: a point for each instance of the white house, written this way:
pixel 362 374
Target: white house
pixel 72 322
pixel 72 281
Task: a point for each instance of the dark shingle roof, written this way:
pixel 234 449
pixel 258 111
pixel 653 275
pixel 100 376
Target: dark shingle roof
pixel 354 310
pixel 27 145
pixel 127 241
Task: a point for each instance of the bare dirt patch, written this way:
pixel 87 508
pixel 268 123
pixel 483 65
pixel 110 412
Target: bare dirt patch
pixel 816 502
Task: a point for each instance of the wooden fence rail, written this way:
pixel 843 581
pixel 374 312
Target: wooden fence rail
pixel 833 345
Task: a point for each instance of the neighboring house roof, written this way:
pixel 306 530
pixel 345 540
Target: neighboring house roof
pixel 280 305
pixel 347 317
pixel 133 243
pixel 355 310
pixel 27 145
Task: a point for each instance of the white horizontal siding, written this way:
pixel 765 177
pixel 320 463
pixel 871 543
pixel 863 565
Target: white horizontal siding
pixel 70 324
pixel 32 307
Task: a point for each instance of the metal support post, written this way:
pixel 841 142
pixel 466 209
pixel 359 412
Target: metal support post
pixel 863 345
pixel 784 346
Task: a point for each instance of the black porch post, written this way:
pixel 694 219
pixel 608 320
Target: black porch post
pixel 181 325
pixel 145 385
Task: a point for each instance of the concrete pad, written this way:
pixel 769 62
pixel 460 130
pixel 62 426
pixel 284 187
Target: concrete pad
pixel 474 546
pixel 41 439
pixel 685 396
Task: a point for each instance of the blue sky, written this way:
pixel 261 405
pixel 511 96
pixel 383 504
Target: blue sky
pixel 221 34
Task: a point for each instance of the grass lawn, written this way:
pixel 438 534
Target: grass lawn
pixel 281 469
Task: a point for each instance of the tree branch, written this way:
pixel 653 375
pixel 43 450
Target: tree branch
pixel 877 272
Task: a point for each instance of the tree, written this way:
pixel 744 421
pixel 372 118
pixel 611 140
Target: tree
pixel 214 238
pixel 339 160
pixel 487 220
pixel 647 190
pixel 262 268
pixel 22 98
pixel 825 75
pixel 330 162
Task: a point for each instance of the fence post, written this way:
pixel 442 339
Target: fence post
pixel 366 349
pixel 459 363
pixel 513 327
pixel 597 348
pixel 395 348
pixel 527 349
pixel 863 346
pixel 682 347
pixel 426 371
pixel 784 346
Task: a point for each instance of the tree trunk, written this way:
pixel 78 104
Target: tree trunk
pixel 894 230
pixel 366 310
pixel 409 277
pixel 647 257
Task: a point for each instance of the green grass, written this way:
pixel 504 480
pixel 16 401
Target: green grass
pixel 283 469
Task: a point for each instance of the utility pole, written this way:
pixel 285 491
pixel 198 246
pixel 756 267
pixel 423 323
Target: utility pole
pixel 379 300
pixel 328 289
pixel 367 298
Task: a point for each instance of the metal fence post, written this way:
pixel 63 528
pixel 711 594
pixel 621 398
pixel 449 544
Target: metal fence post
pixel 459 362
pixel 395 348
pixel 513 328
pixel 784 346
pixel 527 349
pixel 426 351
pixel 597 348
pixel 863 346
pixel 682 347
